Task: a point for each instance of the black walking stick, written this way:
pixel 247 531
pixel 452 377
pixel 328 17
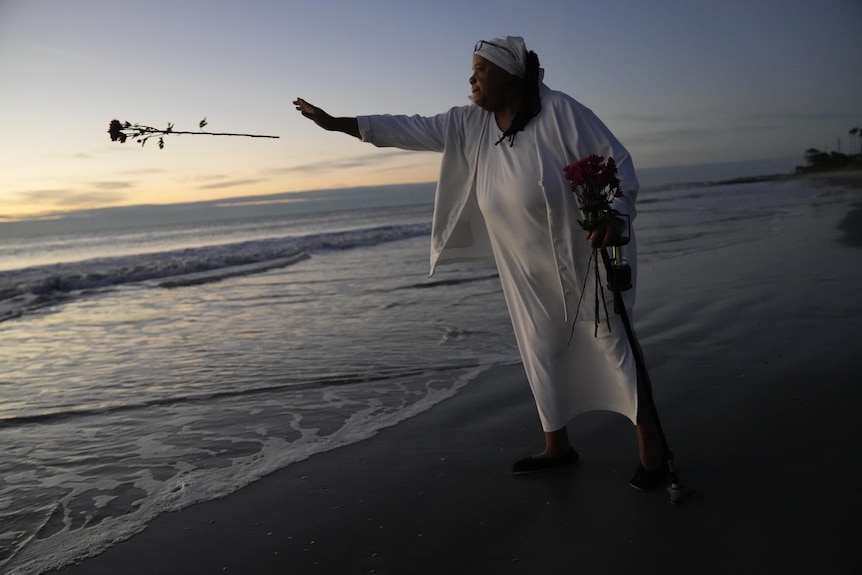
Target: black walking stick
pixel 619 279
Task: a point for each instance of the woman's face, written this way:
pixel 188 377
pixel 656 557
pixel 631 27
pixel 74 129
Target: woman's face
pixel 489 84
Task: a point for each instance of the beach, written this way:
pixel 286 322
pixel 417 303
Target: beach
pixel 751 348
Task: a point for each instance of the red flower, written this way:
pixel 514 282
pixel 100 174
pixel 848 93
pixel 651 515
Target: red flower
pixel 609 177
pixel 115 129
pixel 595 185
pixel 573 174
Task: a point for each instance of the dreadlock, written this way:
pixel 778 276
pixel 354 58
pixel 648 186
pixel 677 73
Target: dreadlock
pixel 530 101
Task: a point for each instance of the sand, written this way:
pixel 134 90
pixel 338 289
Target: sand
pixel 752 350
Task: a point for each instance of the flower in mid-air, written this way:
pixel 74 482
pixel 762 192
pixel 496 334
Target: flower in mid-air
pixel 121 131
pixel 116 131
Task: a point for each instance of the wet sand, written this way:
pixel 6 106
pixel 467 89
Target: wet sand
pixel 752 349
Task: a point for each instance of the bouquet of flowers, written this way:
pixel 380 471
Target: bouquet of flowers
pixel 121 131
pixel 595 185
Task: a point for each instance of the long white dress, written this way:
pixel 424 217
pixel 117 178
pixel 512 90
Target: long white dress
pixel 566 378
pixel 513 204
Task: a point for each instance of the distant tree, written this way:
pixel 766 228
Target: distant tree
pixel 816 159
pixel 819 161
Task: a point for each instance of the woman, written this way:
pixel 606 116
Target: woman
pixel 502 194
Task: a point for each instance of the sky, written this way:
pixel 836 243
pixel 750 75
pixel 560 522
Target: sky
pixel 678 82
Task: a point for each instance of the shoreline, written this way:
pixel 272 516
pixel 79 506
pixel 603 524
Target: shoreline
pixel 756 380
pixel 849 177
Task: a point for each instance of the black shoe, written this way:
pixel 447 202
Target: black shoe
pixel 648 479
pixel 539 464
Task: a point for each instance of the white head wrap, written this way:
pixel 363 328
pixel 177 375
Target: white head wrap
pixel 507 52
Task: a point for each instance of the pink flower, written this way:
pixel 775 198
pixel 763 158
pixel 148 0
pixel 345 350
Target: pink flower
pixel 573 174
pixel 595 185
pixel 609 176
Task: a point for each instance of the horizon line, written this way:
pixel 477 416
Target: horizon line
pixel 282 197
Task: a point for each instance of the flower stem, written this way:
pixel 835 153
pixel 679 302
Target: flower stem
pixel 580 298
pixel 596 295
pixel 592 265
pixel 604 303
pixel 153 132
pixel 222 134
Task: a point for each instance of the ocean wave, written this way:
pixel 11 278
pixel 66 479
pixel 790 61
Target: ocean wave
pixel 451 281
pixel 334 381
pixel 197 455
pixel 220 274
pixel 29 289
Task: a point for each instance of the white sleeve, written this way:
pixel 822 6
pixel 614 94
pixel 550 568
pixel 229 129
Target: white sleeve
pixel 419 133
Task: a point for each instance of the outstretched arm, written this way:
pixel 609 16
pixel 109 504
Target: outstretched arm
pixel 347 125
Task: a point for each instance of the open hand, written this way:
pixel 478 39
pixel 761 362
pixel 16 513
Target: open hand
pixel 314 114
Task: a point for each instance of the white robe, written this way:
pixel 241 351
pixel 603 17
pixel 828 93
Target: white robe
pixel 589 374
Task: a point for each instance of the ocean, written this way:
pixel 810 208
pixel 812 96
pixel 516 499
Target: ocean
pixel 158 357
